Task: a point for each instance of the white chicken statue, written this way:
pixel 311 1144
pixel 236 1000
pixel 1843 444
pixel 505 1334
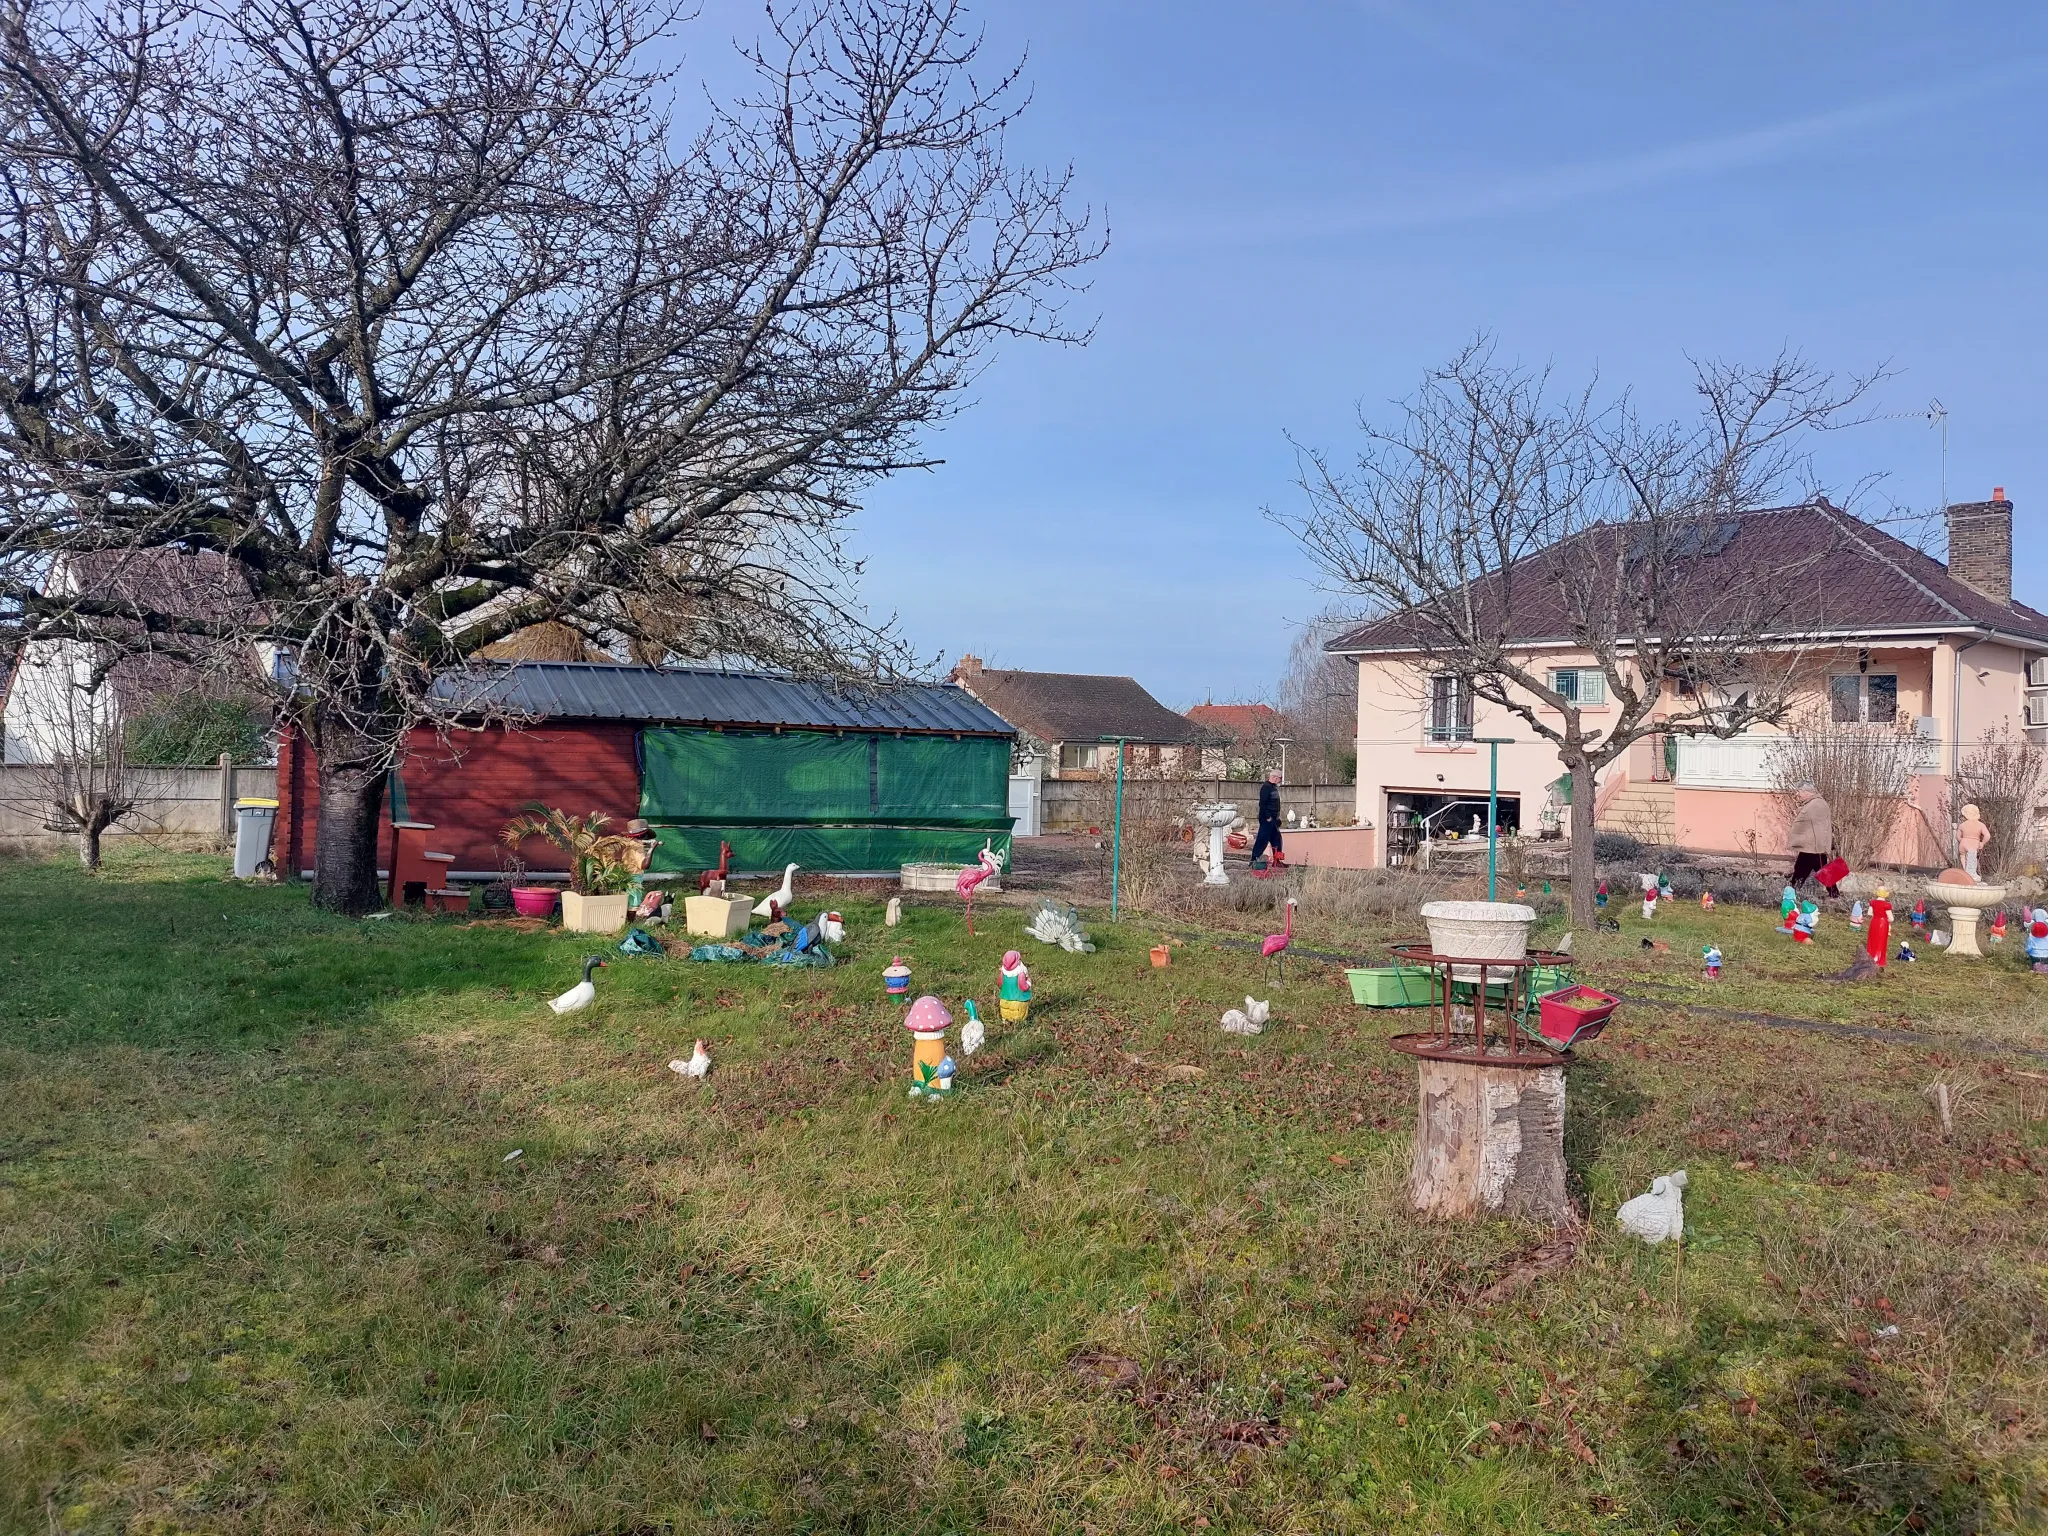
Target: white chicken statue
pixel 1660 1213
pixel 699 1064
pixel 584 993
pixel 767 905
pixel 832 928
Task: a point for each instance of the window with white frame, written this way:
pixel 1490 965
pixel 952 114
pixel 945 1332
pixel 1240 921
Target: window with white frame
pixel 1080 755
pixel 1579 685
pixel 1864 698
pixel 1450 709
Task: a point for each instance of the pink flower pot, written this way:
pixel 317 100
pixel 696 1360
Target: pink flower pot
pixel 535 900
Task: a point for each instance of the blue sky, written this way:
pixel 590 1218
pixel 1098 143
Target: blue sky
pixel 1311 203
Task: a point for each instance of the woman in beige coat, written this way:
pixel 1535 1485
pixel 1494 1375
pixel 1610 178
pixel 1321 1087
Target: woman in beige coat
pixel 1812 835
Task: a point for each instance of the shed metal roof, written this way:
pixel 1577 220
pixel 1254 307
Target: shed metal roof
pixel 577 690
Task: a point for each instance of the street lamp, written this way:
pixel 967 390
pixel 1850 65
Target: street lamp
pixel 1282 742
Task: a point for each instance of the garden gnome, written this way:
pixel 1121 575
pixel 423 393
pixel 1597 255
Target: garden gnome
pixel 1878 945
pixel 1971 837
pixel 1906 955
pixel 2037 939
pixel 1706 901
pixel 1919 914
pixel 1014 995
pixel 1649 903
pixel 1804 924
pixel 1710 959
pixel 1600 896
pixel 1998 926
pixel 1856 914
pixel 1664 891
pixel 1788 905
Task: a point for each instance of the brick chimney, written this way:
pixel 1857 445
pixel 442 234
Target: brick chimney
pixel 968 667
pixel 1980 545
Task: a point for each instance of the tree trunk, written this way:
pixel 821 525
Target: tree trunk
pixel 1585 876
pixel 89 848
pixel 349 835
pixel 1489 1141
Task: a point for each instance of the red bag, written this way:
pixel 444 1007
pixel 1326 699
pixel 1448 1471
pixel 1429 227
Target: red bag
pixel 1834 872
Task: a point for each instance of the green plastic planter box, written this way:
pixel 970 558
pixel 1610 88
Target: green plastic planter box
pixel 1547 978
pixel 1391 986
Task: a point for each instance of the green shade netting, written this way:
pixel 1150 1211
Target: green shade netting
pixel 824 801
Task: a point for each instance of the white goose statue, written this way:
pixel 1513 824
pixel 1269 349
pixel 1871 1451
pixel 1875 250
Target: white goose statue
pixel 766 906
pixel 584 993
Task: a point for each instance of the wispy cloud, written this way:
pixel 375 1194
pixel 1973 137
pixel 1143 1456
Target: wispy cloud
pixel 1588 180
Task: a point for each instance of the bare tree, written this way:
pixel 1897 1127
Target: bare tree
pixel 1495 512
pixel 1319 697
pixel 424 315
pixel 2004 776
pixel 1865 773
pixel 78 783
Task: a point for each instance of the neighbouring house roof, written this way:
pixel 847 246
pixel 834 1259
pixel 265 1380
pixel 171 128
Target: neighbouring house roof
pixel 578 690
pixel 1858 579
pixel 192 584
pixel 1077 706
pixel 1242 724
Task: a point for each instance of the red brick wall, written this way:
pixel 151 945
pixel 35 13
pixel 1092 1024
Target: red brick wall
pixel 471 784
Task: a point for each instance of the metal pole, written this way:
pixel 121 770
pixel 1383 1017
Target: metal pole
pixel 1492 813
pixel 1493 744
pixel 1116 847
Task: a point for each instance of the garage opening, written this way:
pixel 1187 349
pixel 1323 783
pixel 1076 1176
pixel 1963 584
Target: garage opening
pixel 1440 818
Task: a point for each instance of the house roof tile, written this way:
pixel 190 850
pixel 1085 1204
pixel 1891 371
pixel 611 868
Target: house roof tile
pixel 1079 706
pixel 1851 578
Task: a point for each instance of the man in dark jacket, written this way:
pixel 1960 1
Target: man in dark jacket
pixel 1269 820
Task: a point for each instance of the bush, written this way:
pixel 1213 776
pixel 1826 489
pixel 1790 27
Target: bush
pixel 190 731
pixel 1617 848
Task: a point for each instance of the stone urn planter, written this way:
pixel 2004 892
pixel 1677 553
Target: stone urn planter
pixel 1966 903
pixel 1478 930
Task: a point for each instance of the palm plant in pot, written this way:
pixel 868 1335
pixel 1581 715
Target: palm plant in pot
pixel 600 863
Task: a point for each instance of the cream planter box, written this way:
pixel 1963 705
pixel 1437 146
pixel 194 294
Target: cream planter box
pixel 716 917
pixel 593 914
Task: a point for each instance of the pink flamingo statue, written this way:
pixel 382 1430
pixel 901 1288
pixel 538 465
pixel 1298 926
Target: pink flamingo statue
pixel 991 863
pixel 1275 946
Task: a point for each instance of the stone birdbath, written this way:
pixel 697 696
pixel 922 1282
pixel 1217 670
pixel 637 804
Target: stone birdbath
pixel 1966 901
pixel 1219 819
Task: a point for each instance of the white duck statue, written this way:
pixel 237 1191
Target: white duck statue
pixel 1660 1213
pixel 584 993
pixel 768 904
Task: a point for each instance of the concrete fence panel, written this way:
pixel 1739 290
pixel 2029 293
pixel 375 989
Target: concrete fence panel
pixel 186 805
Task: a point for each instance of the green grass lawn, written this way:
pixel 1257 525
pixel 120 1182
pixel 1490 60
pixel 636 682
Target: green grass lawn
pixel 263 1264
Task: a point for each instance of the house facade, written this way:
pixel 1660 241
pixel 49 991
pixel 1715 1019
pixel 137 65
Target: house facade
pixel 61 697
pixel 1068 723
pixel 1898 642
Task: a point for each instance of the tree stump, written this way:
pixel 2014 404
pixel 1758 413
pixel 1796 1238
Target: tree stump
pixel 1489 1141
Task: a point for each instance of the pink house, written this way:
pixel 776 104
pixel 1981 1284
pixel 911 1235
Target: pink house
pixel 1895 640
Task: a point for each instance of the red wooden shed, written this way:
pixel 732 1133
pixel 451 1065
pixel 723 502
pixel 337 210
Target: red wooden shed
pixel 776 763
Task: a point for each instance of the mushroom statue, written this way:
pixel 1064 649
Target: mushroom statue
pixel 928 1022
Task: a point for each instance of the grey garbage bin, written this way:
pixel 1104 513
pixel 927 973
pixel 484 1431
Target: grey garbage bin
pixel 253 820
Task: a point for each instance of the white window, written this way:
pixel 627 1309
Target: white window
pixel 1074 754
pixel 1450 709
pixel 1580 685
pixel 1870 698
